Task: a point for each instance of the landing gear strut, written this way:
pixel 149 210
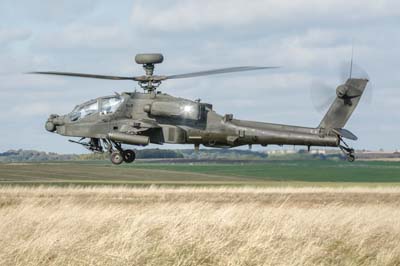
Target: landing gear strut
pixel 117 154
pixel 120 155
pixel 349 152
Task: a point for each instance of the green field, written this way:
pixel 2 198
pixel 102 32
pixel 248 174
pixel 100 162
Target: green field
pixel 266 173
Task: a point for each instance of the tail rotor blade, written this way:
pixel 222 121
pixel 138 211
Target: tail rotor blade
pixel 356 71
pixel 344 72
pixel 360 73
pixel 368 93
pixel 322 95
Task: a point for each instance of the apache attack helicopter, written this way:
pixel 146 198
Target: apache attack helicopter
pixel 140 118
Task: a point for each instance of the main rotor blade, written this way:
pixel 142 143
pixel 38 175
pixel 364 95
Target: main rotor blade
pixel 217 71
pixel 145 78
pixel 82 75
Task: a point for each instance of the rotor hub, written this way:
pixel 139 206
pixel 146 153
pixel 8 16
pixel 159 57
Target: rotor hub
pixel 149 69
pixel 148 61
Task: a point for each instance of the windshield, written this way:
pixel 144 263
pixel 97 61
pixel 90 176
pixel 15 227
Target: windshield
pixel 84 110
pixel 106 105
pixel 110 104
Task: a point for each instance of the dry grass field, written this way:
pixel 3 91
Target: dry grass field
pixel 102 225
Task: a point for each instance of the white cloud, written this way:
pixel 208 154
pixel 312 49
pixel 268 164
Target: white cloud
pixel 32 109
pixel 195 15
pixel 18 83
pixel 81 36
pixel 48 12
pixel 10 35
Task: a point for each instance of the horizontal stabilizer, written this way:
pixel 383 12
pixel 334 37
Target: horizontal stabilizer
pixel 344 133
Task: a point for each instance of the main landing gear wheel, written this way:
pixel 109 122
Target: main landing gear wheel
pixel 119 155
pixel 116 157
pixel 129 156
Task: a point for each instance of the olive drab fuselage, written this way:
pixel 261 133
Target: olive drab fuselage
pixel 166 119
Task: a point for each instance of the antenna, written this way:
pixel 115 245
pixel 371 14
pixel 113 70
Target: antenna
pixel 352 54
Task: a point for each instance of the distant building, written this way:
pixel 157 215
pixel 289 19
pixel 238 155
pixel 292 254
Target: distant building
pixel 361 154
pixel 318 151
pixel 282 152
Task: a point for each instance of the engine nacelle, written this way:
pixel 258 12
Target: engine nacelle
pixel 183 110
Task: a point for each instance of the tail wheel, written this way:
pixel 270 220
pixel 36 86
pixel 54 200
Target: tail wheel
pixel 351 158
pixel 349 152
pixel 116 157
pixel 129 156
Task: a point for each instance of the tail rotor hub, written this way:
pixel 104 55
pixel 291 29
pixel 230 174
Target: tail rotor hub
pixel 341 91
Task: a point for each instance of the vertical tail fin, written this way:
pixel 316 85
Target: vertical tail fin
pixel 347 97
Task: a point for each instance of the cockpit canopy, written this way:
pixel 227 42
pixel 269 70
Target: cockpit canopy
pixel 104 106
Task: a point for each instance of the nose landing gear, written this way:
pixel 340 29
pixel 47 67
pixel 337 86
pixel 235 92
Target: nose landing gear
pixel 117 154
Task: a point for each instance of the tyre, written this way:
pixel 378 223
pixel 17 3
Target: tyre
pixel 129 156
pixel 351 158
pixel 116 157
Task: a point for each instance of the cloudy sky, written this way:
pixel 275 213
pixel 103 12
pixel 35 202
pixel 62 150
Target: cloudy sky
pixel 310 39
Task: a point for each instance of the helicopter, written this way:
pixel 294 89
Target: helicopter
pixel 136 118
